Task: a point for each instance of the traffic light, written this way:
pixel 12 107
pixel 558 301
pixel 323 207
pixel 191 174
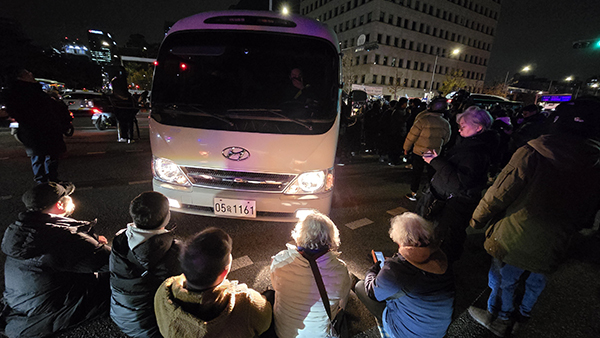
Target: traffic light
pixel 595 44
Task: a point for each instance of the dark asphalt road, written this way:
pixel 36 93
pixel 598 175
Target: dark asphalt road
pixel 109 174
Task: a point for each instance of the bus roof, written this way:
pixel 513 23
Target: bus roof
pixel 256 21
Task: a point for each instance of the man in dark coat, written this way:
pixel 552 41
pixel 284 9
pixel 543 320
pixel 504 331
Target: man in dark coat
pixel 533 126
pixel 143 256
pixel 545 194
pixel 42 122
pixel 56 268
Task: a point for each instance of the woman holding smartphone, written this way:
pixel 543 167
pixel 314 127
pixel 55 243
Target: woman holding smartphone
pixel 460 177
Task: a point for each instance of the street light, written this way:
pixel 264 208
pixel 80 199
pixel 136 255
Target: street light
pixel 569 79
pixel 526 68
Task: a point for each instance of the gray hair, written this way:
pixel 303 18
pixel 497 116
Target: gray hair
pixel 476 116
pixel 316 231
pixel 410 229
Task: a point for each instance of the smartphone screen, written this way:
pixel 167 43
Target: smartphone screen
pixel 378 257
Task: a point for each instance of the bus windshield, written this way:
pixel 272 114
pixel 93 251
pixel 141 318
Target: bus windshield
pixel 246 81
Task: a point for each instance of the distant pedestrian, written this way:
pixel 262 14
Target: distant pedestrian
pixel 546 193
pixel 42 122
pixel 143 255
pixel 124 106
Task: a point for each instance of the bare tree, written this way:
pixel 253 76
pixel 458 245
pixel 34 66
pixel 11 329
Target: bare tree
pixel 348 75
pixel 396 85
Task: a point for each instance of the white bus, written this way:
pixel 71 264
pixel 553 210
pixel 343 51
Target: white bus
pixel 232 134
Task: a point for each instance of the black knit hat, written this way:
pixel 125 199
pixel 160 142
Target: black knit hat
pixel 45 195
pixel 205 257
pixel 580 117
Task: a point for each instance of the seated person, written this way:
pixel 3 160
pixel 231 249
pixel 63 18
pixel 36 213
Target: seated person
pixel 298 90
pixel 298 310
pixel 413 294
pixel 201 302
pixel 56 270
pixel 143 256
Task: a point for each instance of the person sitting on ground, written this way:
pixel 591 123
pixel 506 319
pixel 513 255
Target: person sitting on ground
pixel 143 255
pixel 202 302
pixel 413 294
pixel 56 270
pixel 299 309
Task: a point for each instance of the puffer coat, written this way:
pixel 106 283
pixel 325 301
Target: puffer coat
pixel 429 132
pixel 49 274
pixel 135 275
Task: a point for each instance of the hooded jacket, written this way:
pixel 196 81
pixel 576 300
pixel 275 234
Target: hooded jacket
pixel 547 192
pixel 299 309
pixel 49 274
pixel 429 132
pixel 136 274
pixel 418 288
pixel 229 310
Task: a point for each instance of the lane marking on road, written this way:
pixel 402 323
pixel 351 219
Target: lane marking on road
pixel 7 197
pixel 241 262
pixel 397 211
pixel 4 158
pixel 139 182
pixel 96 152
pixel 359 223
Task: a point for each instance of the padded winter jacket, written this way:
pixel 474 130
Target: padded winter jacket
pixel 135 275
pixel 429 132
pixel 547 192
pixel 298 309
pixel 49 274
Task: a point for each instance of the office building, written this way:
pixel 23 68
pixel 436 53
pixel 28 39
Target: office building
pixel 398 48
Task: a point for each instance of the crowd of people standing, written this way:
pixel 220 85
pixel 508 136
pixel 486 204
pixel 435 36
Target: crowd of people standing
pixel 59 272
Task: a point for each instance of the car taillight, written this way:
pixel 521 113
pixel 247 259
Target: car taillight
pixel 95 111
pixel 71 113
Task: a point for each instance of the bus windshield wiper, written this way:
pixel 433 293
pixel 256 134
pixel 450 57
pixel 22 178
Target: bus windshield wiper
pixel 175 106
pixel 276 112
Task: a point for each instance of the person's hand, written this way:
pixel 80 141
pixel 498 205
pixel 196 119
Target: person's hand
pixel 428 156
pixel 405 152
pixel 102 240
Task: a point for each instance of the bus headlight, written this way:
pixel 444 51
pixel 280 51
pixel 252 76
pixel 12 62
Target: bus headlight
pixel 167 171
pixel 312 182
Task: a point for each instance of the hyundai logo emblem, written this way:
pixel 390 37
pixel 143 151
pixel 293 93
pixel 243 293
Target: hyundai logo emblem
pixel 236 153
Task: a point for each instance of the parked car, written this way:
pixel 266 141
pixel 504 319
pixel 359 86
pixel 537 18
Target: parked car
pixel 84 103
pixel 486 101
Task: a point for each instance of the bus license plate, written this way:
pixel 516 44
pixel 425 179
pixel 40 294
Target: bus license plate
pixel 238 208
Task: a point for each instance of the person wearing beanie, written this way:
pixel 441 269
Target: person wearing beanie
pixel 56 269
pixel 143 255
pixel 202 302
pixel 541 199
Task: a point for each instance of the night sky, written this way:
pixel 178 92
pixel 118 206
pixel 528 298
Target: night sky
pixel 530 32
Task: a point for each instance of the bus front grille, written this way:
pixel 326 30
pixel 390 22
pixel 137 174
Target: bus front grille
pixel 237 180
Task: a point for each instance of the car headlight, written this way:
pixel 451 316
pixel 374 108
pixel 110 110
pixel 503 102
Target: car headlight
pixel 312 182
pixel 167 171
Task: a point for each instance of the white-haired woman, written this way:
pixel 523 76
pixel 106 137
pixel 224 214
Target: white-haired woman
pixel 413 294
pixel 460 177
pixel 298 310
